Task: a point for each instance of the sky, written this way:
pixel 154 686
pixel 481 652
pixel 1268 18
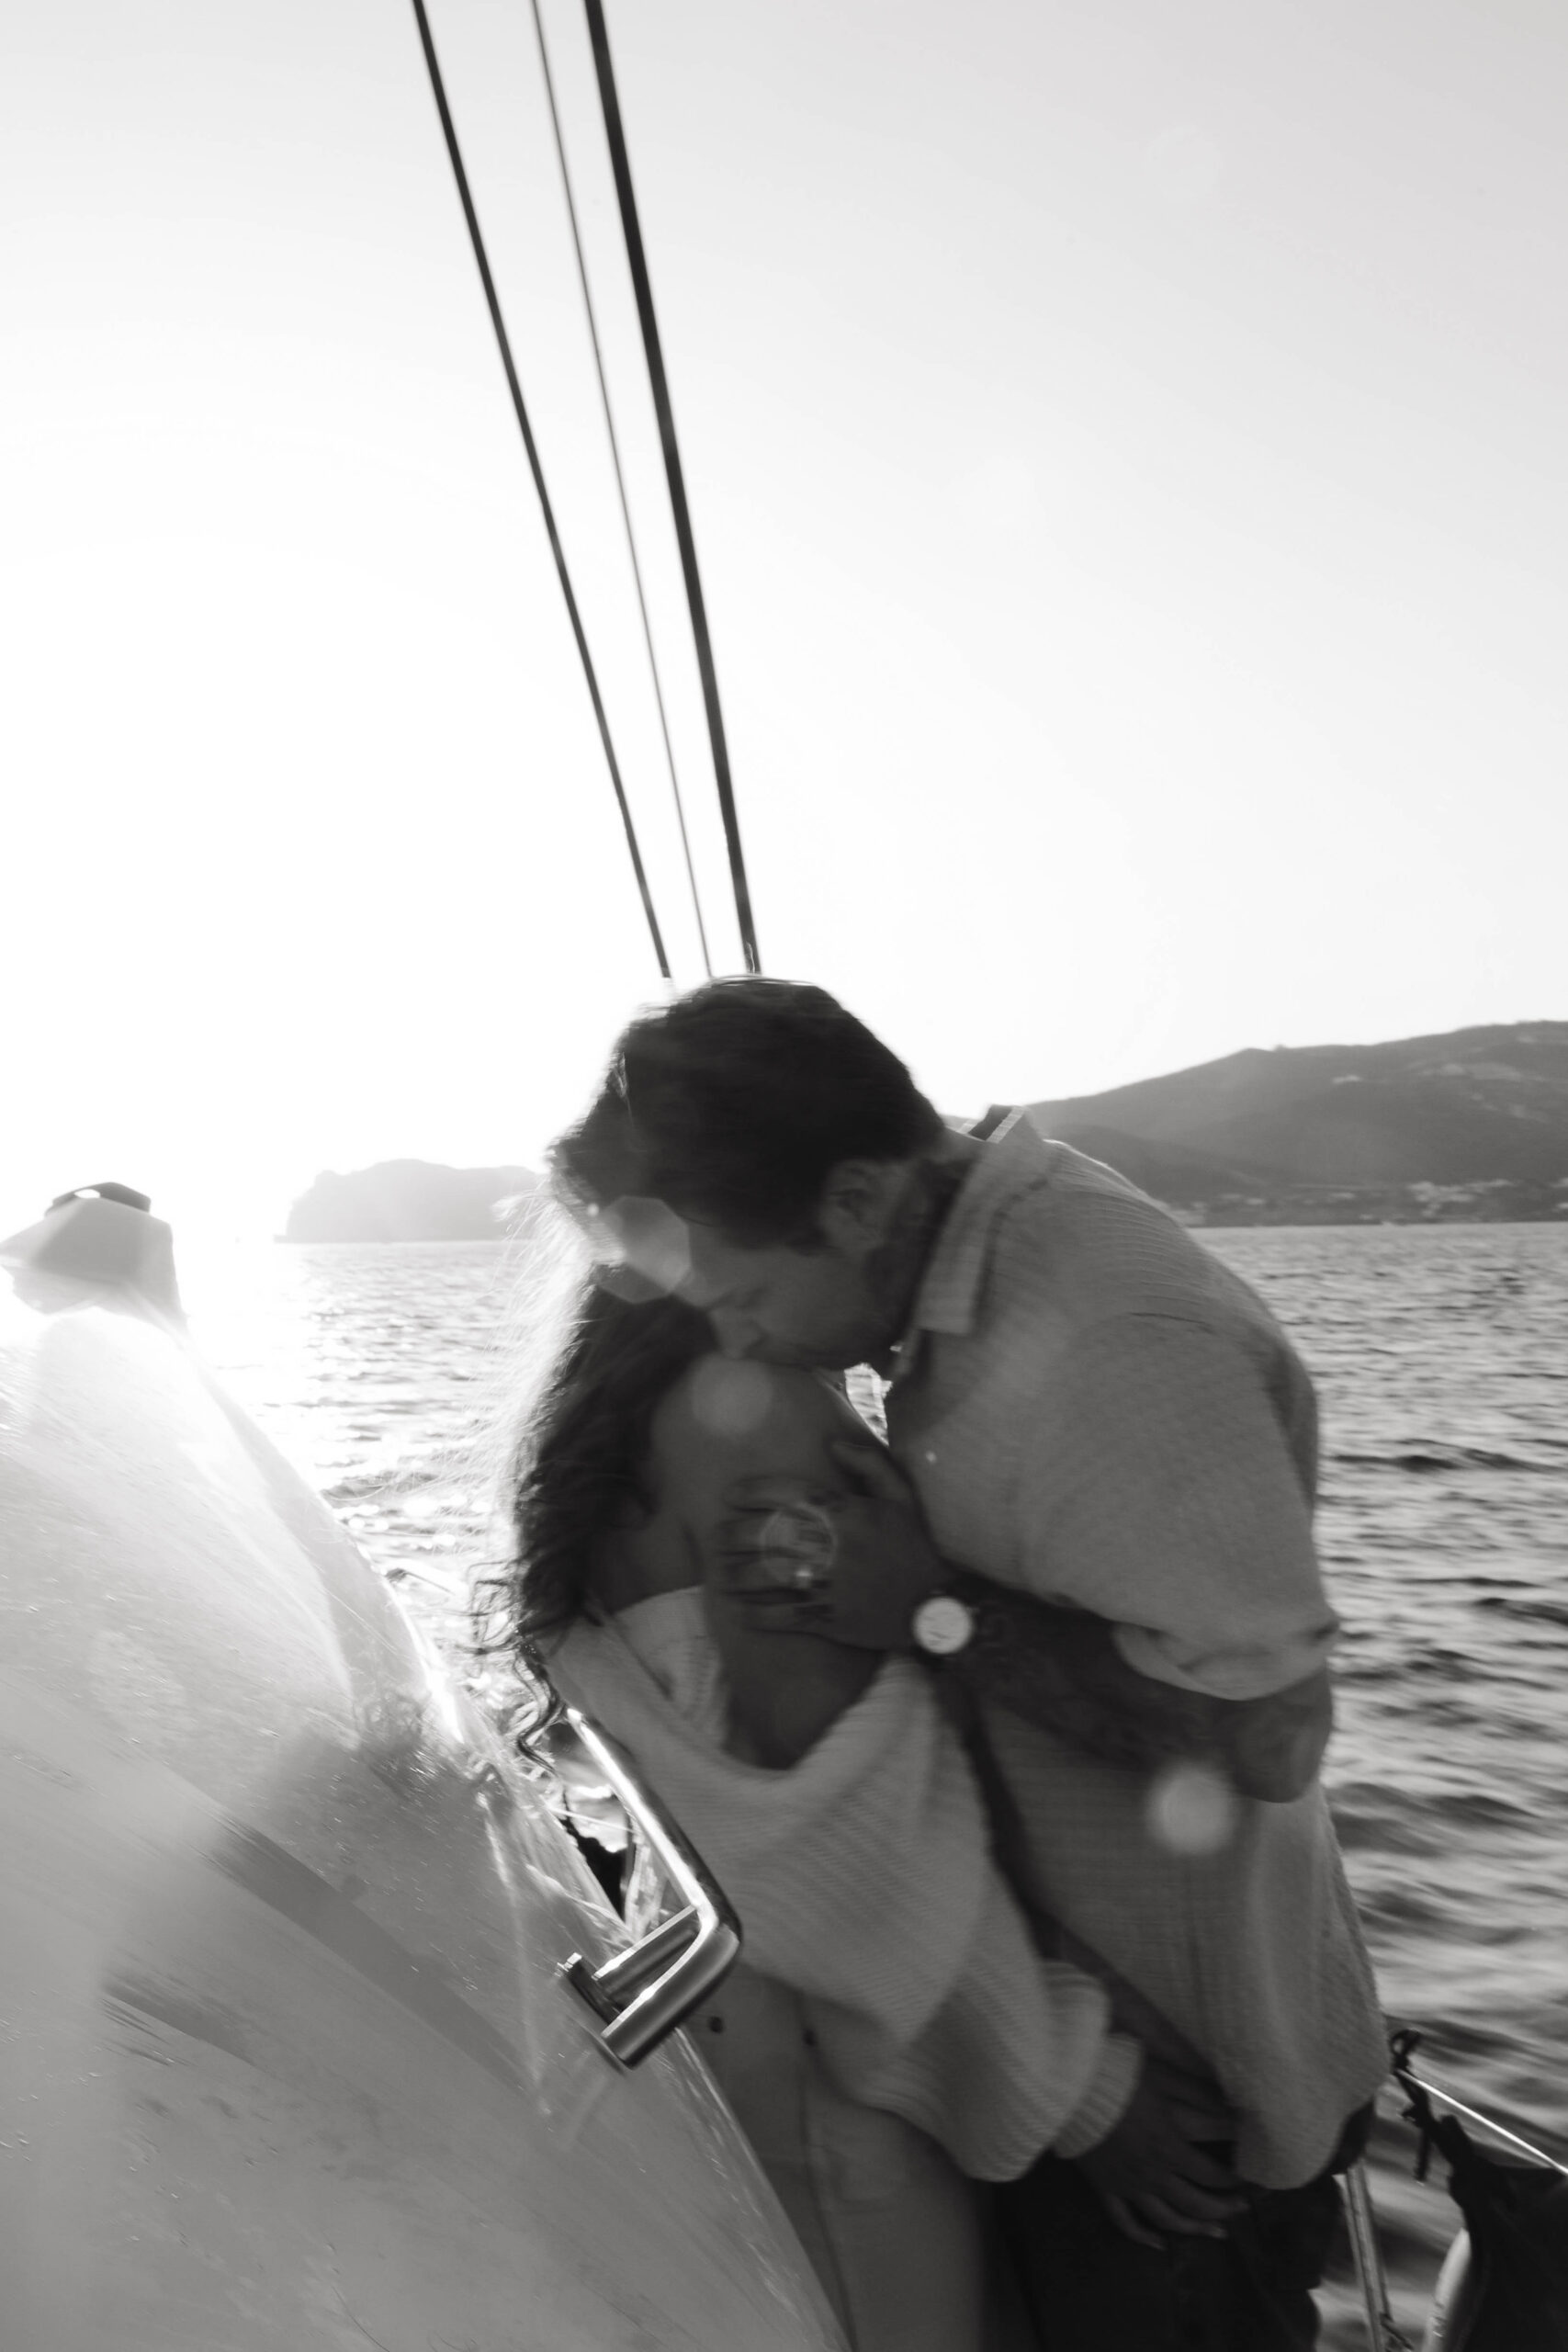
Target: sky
pixel 1125 448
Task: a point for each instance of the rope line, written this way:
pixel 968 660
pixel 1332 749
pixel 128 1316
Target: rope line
pixel 1498 2130
pixel 503 344
pixel 610 104
pixel 620 481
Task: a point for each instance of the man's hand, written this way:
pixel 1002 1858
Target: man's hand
pixel 1061 1668
pixel 1151 2171
pixel 853 1566
pixel 1274 1746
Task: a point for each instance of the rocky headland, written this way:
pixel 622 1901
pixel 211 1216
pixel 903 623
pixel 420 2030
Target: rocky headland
pixel 1465 1127
pixel 410 1200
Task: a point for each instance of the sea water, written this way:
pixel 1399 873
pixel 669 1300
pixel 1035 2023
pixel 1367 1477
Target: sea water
pixel 1441 1355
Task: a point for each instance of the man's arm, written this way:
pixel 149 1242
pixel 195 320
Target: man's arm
pixel 1167 1493
pixel 1058 1666
pixel 1061 1669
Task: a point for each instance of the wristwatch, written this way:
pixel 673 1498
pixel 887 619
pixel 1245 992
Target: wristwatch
pixel 942 1625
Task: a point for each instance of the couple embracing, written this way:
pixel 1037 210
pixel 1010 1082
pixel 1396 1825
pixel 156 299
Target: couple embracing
pixel 1003 1737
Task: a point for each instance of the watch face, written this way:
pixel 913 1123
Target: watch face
pixel 943 1624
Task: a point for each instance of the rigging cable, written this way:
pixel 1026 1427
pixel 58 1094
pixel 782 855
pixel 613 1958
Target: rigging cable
pixel 620 483
pixel 439 90
pixel 610 104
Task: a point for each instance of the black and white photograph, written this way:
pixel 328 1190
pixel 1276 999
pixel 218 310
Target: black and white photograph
pixel 784 1201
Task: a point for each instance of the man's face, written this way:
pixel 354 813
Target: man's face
pixel 843 1301
pixel 787 1304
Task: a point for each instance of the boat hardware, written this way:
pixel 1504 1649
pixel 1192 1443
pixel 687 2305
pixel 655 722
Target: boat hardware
pixel 1382 2332
pixel 1473 2115
pixel 646 1991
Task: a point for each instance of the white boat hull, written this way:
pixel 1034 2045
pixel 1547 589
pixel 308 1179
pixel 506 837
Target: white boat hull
pixel 287 2065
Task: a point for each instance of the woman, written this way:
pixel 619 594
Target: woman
pixel 894 2035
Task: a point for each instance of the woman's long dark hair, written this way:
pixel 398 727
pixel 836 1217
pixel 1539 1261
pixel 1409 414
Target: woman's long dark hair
pixel 579 1460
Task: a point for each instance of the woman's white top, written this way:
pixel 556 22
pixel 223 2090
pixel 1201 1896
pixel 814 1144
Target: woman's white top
pixel 863 1879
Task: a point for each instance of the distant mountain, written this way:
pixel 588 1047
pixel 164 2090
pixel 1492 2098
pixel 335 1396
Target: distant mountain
pixel 1471 1125
pixel 409 1200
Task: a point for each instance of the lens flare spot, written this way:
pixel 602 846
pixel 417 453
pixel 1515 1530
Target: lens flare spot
pixel 625 1281
pixel 1192 1809
pixel 730 1399
pixel 647 1240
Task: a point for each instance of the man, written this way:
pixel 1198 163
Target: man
pixel 1113 1445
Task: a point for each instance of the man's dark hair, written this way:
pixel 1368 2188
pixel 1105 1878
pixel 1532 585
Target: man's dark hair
pixel 732 1105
